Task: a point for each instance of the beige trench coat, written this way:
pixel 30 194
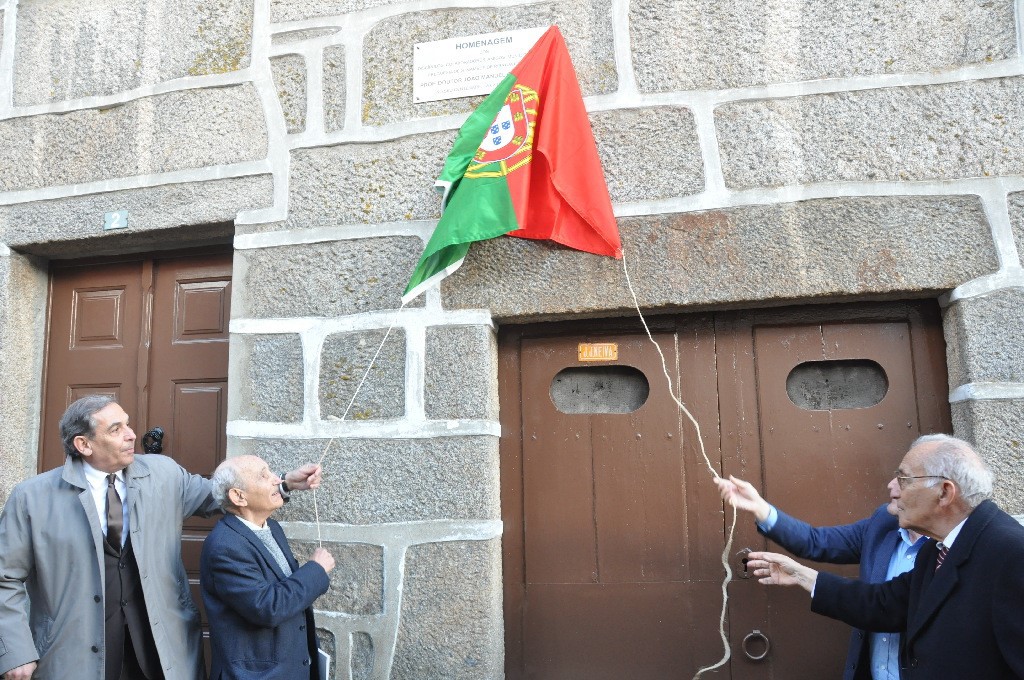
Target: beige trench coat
pixel 51 554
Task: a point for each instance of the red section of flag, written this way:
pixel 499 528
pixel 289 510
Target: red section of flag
pixel 561 194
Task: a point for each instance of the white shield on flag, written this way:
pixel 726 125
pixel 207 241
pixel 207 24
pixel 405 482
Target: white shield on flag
pixel 500 133
pixel 509 131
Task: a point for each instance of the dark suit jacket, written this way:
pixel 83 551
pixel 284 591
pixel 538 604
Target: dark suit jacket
pixel 962 621
pixel 261 623
pixel 870 541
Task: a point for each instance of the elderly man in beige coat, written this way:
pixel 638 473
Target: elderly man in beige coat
pixel 108 591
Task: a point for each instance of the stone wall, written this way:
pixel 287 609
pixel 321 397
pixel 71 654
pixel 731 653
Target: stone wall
pixel 813 153
pixel 22 327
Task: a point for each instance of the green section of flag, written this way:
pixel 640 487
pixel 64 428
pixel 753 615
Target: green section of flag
pixel 474 209
pixel 480 209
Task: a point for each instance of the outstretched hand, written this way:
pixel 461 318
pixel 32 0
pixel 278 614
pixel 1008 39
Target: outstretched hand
pixel 743 496
pixel 779 570
pixel 304 478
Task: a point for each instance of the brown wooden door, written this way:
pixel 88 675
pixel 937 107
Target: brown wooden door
pixel 615 554
pixel 153 334
pixel 877 382
pixel 613 530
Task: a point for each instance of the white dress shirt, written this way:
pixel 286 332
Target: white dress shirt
pixel 251 525
pixel 947 542
pixel 97 480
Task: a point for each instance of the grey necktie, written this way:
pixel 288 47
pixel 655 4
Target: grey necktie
pixel 115 517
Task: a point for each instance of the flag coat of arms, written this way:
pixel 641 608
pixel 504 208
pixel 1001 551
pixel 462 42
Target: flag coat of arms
pixel 524 164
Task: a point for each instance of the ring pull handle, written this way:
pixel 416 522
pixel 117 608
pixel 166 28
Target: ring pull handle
pixel 742 555
pixel 752 636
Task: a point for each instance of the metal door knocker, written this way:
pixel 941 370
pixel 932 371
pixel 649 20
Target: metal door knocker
pixel 756 635
pixel 153 441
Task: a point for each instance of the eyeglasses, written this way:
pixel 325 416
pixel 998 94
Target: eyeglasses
pixel 904 480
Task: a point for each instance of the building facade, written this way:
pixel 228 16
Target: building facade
pixel 758 156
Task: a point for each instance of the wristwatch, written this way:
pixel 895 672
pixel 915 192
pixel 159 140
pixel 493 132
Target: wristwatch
pixel 283 488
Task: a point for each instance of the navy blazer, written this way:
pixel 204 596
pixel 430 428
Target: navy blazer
pixel 961 621
pixel 261 622
pixel 870 541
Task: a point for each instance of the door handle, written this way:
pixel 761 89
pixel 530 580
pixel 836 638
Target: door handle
pixel 153 441
pixel 752 637
pixel 742 555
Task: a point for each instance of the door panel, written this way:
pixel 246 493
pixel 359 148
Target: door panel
pixel 617 496
pixel 95 329
pixel 189 359
pixel 614 548
pixel 199 416
pixel 614 528
pixel 843 454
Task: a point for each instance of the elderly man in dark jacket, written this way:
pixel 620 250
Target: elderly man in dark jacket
pixel 258 599
pixel 960 605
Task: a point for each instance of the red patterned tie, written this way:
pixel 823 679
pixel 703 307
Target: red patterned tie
pixel 941 556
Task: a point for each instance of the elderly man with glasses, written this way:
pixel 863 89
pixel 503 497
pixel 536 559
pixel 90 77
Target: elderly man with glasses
pixel 877 543
pixel 960 607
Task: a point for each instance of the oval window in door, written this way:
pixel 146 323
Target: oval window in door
pixel 599 389
pixel 840 384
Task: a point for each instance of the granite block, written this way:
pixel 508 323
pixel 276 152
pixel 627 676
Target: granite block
pixel 707 45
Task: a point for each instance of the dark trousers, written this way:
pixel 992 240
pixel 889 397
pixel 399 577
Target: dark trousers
pixel 131 669
pixel 130 650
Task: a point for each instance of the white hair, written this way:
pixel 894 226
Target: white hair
pixel 227 476
pixel 957 461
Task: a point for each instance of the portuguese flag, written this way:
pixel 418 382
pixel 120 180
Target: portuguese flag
pixel 524 164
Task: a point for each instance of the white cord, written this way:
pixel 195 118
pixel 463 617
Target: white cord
pixel 700 439
pixel 316 509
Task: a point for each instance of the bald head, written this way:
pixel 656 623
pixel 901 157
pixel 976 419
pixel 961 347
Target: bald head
pixel 234 473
